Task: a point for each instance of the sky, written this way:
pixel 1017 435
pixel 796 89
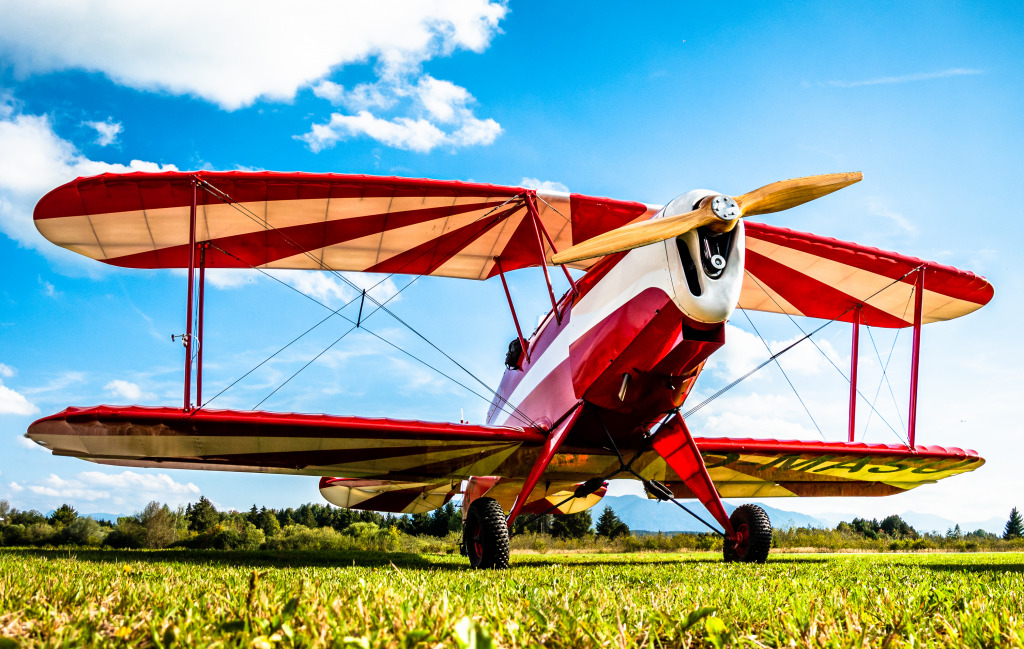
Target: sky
pixel 924 98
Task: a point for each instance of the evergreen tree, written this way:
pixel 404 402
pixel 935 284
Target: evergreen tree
pixel 572 526
pixel 609 525
pixel 160 524
pixel 63 516
pixel 202 516
pixel 267 521
pixel 1014 527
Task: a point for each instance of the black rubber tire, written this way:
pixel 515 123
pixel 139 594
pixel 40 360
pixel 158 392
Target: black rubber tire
pixel 755 531
pixel 485 534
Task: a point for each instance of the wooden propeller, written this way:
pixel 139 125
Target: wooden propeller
pixel 717 212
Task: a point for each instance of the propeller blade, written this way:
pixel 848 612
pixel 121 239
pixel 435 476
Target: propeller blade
pixel 720 213
pixel 635 235
pixel 785 194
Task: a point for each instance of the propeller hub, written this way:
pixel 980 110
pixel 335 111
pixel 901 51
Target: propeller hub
pixel 725 208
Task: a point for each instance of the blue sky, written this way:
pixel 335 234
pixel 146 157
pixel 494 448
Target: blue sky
pixel 924 98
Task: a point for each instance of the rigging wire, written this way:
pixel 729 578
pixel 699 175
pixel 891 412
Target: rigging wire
pixel 885 376
pixel 831 362
pixel 751 372
pixel 516 413
pixel 793 387
pixel 263 222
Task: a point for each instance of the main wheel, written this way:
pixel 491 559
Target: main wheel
pixel 753 537
pixel 485 534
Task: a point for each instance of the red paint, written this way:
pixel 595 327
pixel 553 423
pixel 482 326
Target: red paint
pixel 953 282
pixel 512 308
pixel 813 298
pixel 854 362
pixel 199 333
pixel 674 443
pixel 172 421
pixel 191 287
pixel 915 360
pixel 547 453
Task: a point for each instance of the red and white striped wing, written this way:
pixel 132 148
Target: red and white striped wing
pixel 319 222
pixel 805 274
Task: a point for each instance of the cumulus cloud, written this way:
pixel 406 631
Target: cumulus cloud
pixel 120 489
pixel 441 115
pixel 128 390
pixel 34 160
pixel 234 52
pixel 333 291
pixel 106 132
pixel 744 351
pixel 12 402
pixel 543 185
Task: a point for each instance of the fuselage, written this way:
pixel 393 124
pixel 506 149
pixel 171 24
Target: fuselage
pixel 631 341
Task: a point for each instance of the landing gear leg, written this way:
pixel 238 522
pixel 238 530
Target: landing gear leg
pixel 752 538
pixel 485 534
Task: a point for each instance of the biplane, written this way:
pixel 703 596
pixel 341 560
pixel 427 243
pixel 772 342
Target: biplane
pixel 594 393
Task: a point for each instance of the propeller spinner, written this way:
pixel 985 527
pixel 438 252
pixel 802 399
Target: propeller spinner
pixel 720 213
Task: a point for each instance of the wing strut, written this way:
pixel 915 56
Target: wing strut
pixel 675 443
pixel 915 360
pixel 547 452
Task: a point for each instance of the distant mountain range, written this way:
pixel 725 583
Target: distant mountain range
pixel 642 514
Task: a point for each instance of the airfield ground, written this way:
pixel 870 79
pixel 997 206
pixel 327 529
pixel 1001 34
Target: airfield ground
pixel 265 599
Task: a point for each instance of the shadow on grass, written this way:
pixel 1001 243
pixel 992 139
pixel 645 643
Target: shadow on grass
pixel 247 558
pixel 363 558
pixel 966 567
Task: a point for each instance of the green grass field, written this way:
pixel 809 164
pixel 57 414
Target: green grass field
pixel 51 598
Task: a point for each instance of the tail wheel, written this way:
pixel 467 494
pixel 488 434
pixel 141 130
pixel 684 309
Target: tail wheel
pixel 753 538
pixel 485 534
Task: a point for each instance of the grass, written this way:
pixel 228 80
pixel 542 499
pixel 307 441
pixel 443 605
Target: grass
pixel 51 598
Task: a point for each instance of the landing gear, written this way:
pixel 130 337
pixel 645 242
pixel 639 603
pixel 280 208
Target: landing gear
pixel 753 538
pixel 485 534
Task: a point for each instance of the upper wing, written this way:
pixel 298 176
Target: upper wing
pixel 320 221
pixel 264 442
pixel 805 274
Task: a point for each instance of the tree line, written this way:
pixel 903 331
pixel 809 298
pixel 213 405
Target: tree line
pixel 200 525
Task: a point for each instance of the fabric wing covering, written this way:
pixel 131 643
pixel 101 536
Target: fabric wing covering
pixel 419 463
pixel 455 229
pixel 320 222
pixel 805 274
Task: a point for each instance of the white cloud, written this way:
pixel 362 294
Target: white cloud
pixel 49 290
pixel 234 52
pixel 106 132
pixel 15 487
pixel 333 291
pixel 127 487
pixel 434 103
pixel 128 390
pixel 543 185
pixel 744 351
pixel 34 160
pixel 884 209
pixel 11 402
pixel 906 78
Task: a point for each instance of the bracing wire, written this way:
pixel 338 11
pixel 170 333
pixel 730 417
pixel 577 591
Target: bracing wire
pixel 263 223
pixel 792 387
pixel 518 414
pixel 885 376
pixel 871 404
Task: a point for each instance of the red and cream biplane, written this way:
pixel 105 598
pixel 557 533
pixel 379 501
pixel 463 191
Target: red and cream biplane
pixel 594 393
